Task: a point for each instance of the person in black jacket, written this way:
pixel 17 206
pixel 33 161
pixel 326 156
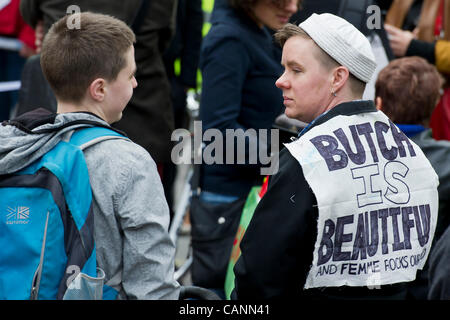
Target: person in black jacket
pixel 352 211
pixel 185 46
pixel 439 273
pixel 239 64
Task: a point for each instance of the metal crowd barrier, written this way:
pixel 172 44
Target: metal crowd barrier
pixel 9 86
pixel 10 44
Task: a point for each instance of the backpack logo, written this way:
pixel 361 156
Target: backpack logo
pixel 18 215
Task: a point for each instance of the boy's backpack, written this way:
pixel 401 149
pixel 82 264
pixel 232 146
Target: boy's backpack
pixel 47 225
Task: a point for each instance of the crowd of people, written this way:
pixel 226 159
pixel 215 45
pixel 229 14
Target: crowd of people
pixel 359 206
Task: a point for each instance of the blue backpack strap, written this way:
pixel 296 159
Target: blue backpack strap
pixel 83 139
pixel 87 137
pixel 67 162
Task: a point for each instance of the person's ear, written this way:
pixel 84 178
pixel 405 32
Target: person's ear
pixel 379 103
pixel 97 89
pixel 340 77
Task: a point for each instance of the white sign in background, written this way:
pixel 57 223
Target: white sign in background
pixel 377 200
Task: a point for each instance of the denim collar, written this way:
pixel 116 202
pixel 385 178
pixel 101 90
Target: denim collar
pixel 411 129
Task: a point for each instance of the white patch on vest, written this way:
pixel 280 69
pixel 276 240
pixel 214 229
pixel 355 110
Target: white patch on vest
pixel 377 199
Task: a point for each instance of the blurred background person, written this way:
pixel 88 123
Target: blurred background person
pixel 430 40
pixel 240 63
pixel 16 44
pixel 181 63
pixel 439 269
pixel 404 14
pixel 407 91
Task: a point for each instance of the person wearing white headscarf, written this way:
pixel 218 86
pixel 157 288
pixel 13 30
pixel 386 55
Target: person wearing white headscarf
pixel 352 211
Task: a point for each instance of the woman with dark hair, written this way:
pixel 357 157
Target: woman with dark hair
pixel 270 13
pixel 240 64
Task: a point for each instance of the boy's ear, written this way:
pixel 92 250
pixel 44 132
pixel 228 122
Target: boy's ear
pixel 97 89
pixel 379 103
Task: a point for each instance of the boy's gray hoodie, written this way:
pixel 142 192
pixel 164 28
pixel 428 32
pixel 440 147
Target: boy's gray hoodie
pixel 130 210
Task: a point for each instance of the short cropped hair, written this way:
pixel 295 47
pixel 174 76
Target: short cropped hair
pixel 71 58
pixel 410 89
pixel 290 30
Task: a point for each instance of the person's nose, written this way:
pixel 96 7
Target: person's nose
pixel 291 6
pixel 282 82
pixel 135 84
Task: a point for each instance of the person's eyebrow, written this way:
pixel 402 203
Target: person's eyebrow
pixel 292 64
